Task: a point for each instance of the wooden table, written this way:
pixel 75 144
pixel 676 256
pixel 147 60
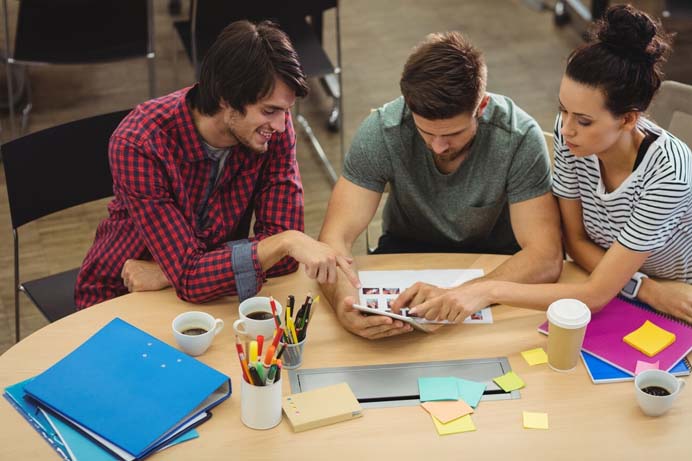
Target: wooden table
pixel 587 421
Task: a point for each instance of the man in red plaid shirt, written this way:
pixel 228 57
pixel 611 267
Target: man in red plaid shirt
pixel 190 169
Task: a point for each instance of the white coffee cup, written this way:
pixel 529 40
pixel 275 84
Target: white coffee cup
pixel 253 327
pixel 567 321
pixel 656 405
pixel 194 331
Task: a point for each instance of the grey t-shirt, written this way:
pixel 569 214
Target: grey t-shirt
pixel 468 209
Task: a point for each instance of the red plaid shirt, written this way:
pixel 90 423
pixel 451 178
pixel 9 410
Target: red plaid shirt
pixel 161 174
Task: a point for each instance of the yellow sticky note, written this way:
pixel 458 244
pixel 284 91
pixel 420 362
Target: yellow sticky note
pixel 447 411
pixel 463 424
pixel 535 420
pixel 650 339
pixel 509 382
pixel 535 356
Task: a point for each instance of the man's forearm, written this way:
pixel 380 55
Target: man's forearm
pixel 528 266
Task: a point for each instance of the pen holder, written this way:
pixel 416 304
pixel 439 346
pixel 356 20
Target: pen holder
pixel 260 406
pixel 292 357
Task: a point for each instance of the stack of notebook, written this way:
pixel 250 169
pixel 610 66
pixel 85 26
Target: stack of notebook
pixel 608 352
pixel 121 395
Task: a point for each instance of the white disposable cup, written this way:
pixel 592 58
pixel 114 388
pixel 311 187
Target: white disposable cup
pixel 252 328
pixel 567 321
pixel 656 405
pixel 198 344
pixel 260 406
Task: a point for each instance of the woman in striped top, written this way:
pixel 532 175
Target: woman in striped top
pixel 624 185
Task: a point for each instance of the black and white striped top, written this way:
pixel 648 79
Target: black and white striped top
pixel 650 211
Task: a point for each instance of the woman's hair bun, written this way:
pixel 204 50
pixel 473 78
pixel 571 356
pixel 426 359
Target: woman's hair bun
pixel 632 34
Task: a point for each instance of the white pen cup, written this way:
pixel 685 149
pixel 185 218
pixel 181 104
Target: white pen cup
pixel 260 406
pixel 255 318
pixel 656 391
pixel 194 331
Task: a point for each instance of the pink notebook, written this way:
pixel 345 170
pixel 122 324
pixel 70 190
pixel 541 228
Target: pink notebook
pixel 618 318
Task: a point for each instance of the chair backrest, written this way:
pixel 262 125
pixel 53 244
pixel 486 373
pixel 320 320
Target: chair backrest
pixel 550 144
pixel 210 17
pixel 82 31
pixel 59 167
pixel 672 109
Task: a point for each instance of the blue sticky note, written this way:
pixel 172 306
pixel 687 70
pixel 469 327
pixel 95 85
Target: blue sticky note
pixel 433 389
pixel 470 391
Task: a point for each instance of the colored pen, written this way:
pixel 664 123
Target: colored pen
pixel 260 344
pixel 260 371
pixel 278 371
pixel 241 357
pixel 253 351
pixel 281 352
pixel 269 356
pixel 257 381
pixel 292 327
pixel 272 304
pixel 272 373
pixel 277 337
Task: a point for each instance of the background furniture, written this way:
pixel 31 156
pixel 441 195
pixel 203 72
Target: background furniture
pixel 49 171
pixel 302 21
pixel 78 32
pixel 672 109
pixel 587 421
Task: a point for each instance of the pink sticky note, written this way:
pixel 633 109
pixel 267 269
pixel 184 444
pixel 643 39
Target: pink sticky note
pixel 642 365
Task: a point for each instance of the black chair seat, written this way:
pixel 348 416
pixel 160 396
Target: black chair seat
pixel 53 295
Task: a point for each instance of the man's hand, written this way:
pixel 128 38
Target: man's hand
pixel 368 326
pixel 140 275
pixel 453 304
pixel 320 260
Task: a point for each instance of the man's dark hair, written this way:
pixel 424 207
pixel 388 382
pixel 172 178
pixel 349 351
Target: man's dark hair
pixel 623 58
pixel 444 77
pixel 242 64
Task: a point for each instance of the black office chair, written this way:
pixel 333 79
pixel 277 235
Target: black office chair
pixel 78 32
pixel 209 17
pixel 48 171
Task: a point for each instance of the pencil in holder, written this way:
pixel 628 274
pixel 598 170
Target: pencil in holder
pixel 292 356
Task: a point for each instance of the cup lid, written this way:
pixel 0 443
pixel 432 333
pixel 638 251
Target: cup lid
pixel 569 314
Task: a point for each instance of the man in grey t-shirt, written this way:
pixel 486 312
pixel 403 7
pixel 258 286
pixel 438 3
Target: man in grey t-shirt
pixel 468 172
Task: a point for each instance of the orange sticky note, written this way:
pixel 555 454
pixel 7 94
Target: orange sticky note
pixel 447 411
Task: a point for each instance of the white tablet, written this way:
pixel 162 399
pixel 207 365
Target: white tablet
pixel 416 322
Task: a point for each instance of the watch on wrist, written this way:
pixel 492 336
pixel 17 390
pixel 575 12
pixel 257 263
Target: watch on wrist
pixel 631 289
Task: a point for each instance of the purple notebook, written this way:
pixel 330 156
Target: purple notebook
pixel 618 318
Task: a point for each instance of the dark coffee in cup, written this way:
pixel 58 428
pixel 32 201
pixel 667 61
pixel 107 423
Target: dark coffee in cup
pixel 656 390
pixel 259 315
pixel 194 331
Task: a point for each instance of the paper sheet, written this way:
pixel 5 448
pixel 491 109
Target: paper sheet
pixel 447 411
pixel 463 424
pixel 379 288
pixel 535 420
pixel 432 389
pixel 535 356
pixel 470 391
pixel 509 382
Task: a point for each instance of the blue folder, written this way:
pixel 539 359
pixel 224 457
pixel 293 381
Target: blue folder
pixel 128 390
pixel 69 443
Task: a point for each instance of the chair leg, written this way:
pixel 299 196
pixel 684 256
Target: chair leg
pixel 152 75
pixel 16 284
pixel 10 95
pixel 332 176
pixel 24 122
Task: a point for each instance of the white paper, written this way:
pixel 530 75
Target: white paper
pixel 379 288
